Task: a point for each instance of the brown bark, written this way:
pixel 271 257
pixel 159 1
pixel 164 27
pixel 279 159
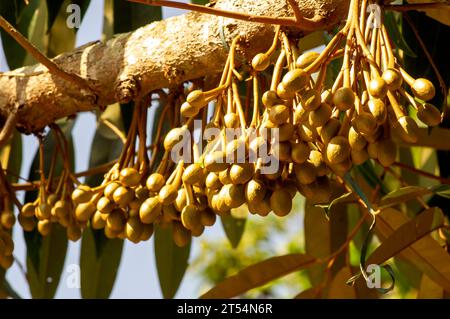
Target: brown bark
pixel 162 54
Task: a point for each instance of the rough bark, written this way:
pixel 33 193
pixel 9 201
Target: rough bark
pixel 159 55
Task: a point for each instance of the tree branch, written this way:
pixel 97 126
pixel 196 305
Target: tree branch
pixel 163 54
pixel 299 21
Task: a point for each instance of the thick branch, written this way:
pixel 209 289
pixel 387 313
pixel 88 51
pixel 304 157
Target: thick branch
pixel 162 54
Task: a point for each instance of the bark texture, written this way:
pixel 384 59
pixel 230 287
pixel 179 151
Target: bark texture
pixel 161 54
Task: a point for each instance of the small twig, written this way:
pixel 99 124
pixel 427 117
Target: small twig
pixel 297 12
pixel 423 173
pixel 51 66
pixel 93 171
pixel 416 6
pixel 30 186
pixel 21 75
pixel 303 23
pixel 8 128
pixel 96 170
pixel 115 129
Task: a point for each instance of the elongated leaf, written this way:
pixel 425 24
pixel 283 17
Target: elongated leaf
pixel 407 234
pixel 442 190
pixel 402 195
pixel 234 225
pixel 344 198
pixel 6 291
pixel 317 240
pixel 54 7
pixel 338 234
pixel 44 277
pixel 429 289
pixel 259 274
pixel 61 38
pixel 98 268
pixel 37 31
pixel 426 254
pixel 171 261
pixel 11 157
pixel 408 274
pixel 310 293
pixel 338 287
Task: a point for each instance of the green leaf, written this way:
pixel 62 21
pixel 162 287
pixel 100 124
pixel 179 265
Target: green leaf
pixel 171 261
pixel 234 225
pixel 98 267
pixel 60 37
pixel 6 290
pixel 402 195
pixel 11 157
pixel 442 190
pixel 54 7
pixel 259 274
pixel 393 28
pixel 45 265
pixel 37 31
pixel 346 198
